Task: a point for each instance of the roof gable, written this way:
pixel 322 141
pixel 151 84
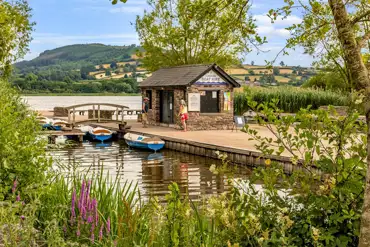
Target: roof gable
pixel 187 75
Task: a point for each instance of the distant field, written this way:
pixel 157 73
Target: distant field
pixel 236 71
pixel 286 71
pixel 282 79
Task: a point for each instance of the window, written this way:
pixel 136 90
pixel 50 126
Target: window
pixel 209 102
pixel 148 94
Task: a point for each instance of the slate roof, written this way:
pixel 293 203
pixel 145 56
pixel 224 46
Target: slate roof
pixel 184 75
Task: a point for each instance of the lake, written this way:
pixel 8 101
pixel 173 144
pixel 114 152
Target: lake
pixel 49 102
pixel 152 172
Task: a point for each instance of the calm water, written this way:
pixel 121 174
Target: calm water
pixel 152 172
pixel 49 102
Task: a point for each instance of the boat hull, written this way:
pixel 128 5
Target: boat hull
pixel 136 141
pixel 101 137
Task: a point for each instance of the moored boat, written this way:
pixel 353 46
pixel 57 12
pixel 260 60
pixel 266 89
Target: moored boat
pixel 57 124
pixel 100 134
pixel 45 122
pixel 144 142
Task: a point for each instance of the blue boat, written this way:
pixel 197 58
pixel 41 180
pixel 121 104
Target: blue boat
pixel 58 124
pixel 143 142
pixel 100 134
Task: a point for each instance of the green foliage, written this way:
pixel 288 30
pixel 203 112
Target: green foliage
pixel 323 199
pixel 15 33
pixel 22 156
pixel 122 85
pixel 328 81
pixel 276 71
pixel 290 99
pixel 251 72
pixel 282 64
pixel 196 32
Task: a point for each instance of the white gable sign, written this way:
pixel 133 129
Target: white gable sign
pixel 211 78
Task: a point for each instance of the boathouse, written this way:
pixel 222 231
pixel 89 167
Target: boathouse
pixel 207 89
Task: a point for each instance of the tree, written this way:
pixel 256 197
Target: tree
pixel 85 71
pixel 113 65
pixel 196 32
pixel 101 67
pixel 252 63
pixel 276 71
pixel 108 72
pixel 125 76
pixel 15 33
pixel 351 35
pixel 251 72
pixel 282 64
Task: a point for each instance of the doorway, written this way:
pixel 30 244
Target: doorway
pixel 166 109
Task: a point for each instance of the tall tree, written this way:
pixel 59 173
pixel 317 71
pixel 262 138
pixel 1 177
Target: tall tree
pixel 15 33
pixel 346 24
pixel 282 64
pixel 196 32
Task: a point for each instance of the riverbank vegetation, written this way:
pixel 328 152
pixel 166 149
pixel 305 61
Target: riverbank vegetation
pixel 31 85
pixel 59 206
pixel 290 99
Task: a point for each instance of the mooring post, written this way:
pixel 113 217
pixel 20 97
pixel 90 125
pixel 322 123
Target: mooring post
pixel 122 116
pixel 94 112
pixel 69 116
pixel 80 138
pixel 98 113
pixel 74 115
pixel 117 114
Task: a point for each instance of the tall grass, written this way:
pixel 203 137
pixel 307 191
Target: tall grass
pixel 291 99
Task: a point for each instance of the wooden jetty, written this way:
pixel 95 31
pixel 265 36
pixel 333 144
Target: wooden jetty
pixel 88 114
pixel 53 134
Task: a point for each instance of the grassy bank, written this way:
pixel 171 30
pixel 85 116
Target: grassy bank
pixel 291 99
pixel 81 94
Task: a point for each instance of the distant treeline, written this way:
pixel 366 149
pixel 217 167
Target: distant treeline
pixel 123 85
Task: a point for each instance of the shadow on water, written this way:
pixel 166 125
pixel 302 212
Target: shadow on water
pixel 152 171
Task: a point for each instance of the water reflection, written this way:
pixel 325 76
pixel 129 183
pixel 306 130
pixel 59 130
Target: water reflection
pixel 152 171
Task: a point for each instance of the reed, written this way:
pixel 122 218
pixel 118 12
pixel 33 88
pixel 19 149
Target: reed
pixel 290 99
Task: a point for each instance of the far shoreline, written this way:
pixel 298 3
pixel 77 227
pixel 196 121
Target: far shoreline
pixel 82 94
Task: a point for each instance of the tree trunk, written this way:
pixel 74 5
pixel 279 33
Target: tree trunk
pixel 361 80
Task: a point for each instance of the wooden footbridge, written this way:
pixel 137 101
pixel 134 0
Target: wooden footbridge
pixel 95 112
pixel 89 113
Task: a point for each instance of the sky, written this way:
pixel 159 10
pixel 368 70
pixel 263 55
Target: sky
pixel 66 22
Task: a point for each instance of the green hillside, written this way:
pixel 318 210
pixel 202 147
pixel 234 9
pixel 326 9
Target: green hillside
pixel 75 56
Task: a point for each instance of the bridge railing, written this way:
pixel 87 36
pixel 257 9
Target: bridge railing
pixel 98 114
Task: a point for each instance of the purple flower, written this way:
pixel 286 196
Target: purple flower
pixel 90 219
pixel 23 217
pixel 82 197
pixel 92 237
pixel 14 186
pixel 18 197
pixel 108 225
pixel 101 232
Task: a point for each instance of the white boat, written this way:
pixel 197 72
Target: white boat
pixel 100 134
pixel 144 142
pixel 57 124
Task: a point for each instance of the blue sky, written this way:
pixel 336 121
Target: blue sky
pixel 66 22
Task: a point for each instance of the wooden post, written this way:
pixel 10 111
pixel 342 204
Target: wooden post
pixel 74 115
pixel 98 113
pixel 81 138
pixel 93 111
pixel 122 116
pixel 117 114
pixel 69 116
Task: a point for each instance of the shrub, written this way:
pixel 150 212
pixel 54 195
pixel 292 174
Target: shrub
pixel 23 164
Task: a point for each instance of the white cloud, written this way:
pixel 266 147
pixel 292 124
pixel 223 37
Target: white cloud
pixel 60 40
pixel 266 28
pixel 127 9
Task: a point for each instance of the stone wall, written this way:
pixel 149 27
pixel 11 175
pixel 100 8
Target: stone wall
pixel 197 121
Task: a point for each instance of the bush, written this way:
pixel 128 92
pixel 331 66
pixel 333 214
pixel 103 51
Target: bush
pixel 290 99
pixel 22 154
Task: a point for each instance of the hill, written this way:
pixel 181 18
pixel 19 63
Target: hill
pixel 75 56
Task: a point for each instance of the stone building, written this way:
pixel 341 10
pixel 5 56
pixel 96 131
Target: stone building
pixel 207 89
